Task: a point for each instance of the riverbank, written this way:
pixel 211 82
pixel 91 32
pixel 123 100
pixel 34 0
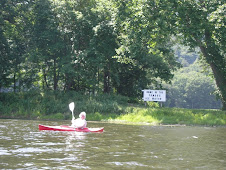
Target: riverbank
pixel 111 108
pixel 166 116
pixel 148 116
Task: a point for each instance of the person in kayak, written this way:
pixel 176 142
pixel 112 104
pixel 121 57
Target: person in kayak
pixel 79 122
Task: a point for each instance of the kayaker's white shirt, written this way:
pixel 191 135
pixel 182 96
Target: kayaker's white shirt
pixel 79 123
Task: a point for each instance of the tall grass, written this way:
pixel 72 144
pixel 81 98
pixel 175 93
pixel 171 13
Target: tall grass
pixel 40 105
pixel 104 107
pixel 157 116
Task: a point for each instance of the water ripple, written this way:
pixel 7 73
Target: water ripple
pixel 23 146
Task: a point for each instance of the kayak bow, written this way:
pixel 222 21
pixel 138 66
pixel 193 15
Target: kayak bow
pixel 69 128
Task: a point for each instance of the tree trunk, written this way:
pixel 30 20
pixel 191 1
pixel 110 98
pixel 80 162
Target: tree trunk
pixel 106 81
pixel 55 76
pixel 221 83
pixel 219 75
pixel 14 83
pixel 217 63
pixel 45 79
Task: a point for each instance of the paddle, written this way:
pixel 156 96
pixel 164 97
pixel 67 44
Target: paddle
pixel 71 107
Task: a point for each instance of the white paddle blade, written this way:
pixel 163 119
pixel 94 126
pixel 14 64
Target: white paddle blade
pixel 72 106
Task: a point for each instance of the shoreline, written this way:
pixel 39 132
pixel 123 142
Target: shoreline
pixel 139 116
pixel 125 122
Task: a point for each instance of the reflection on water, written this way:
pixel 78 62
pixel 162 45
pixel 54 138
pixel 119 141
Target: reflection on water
pixel 75 140
pixel 23 146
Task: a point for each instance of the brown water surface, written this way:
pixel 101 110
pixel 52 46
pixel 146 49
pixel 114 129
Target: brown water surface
pixel 120 146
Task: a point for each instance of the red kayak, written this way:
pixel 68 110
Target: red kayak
pixel 69 128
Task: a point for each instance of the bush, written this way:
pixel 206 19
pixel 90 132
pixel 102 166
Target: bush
pixel 39 104
pixel 153 104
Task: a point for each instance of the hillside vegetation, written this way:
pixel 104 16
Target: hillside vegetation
pixel 192 88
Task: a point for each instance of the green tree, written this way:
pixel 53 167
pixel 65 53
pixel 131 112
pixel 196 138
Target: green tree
pixel 201 24
pixel 13 43
pixel 192 89
pixel 76 26
pixel 47 44
pixel 4 47
pixel 87 45
pixel 184 55
pixel 105 45
pixel 145 48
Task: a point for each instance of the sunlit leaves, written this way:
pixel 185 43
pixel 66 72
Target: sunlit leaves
pixel 94 45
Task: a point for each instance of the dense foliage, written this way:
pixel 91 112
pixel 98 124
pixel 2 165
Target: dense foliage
pixel 200 24
pixel 191 88
pixel 87 46
pixel 94 46
pixel 51 105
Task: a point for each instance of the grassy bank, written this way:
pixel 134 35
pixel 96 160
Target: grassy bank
pixel 54 106
pixel 165 116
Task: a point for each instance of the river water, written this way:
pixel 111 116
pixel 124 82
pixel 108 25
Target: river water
pixel 120 146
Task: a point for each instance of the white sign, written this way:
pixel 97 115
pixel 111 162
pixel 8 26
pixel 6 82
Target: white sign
pixel 154 95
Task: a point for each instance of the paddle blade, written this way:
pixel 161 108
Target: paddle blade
pixel 72 106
